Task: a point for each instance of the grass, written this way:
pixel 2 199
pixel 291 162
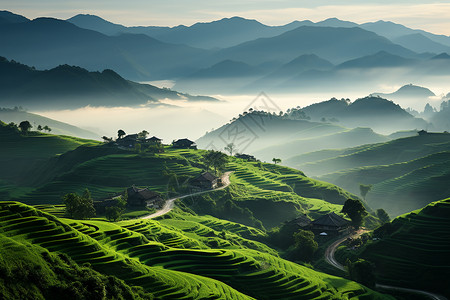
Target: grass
pixel 157 256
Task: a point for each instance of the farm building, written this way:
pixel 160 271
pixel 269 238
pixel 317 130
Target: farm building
pixel 143 197
pixel 184 144
pixel 331 223
pixel 205 180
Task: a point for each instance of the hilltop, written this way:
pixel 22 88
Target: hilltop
pixel 73 87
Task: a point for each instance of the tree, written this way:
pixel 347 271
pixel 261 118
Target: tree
pixel 114 213
pixel 215 159
pixel 46 128
pixel 120 133
pixel 106 139
pixel 25 126
pixel 230 148
pixel 364 189
pixel 383 216
pixel 305 244
pixel 39 128
pixel 143 134
pixel 355 210
pixel 362 271
pixel 276 160
pixel 79 207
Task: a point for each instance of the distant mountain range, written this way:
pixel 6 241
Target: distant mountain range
pixel 72 87
pixel 337 55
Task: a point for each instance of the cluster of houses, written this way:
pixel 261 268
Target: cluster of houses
pixel 328 225
pixel 130 141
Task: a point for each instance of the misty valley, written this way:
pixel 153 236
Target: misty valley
pixel 223 160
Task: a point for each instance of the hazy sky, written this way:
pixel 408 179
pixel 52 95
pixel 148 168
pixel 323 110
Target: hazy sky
pixel 432 16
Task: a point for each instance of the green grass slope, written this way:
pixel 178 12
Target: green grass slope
pixel 400 187
pixel 157 257
pixel 414 249
pixel 20 154
pixel 257 190
pixel 395 151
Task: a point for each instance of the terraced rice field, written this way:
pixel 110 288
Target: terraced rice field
pixel 159 258
pixel 416 254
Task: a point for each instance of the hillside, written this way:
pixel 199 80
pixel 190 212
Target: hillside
pixel 255 130
pixel 412 250
pixel 395 151
pixel 256 189
pixel 67 87
pixel 347 138
pixel 20 154
pixel 8 115
pixel 171 264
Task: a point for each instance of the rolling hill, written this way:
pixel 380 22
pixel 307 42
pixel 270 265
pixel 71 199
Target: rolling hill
pixel 412 250
pixel 20 154
pixel 67 87
pixel 170 264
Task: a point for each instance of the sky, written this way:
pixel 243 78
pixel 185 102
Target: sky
pixel 433 16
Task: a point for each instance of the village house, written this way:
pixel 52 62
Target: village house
pixel 205 181
pixel 128 141
pixel 184 144
pixel 143 197
pixel 153 140
pixel 330 224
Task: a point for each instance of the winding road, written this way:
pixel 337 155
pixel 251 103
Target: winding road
pixel 170 203
pixel 329 257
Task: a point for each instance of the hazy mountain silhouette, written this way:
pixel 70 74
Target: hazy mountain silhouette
pixel 222 33
pixel 393 31
pixel 96 23
pixel 70 87
pixel 46 43
pixel 420 43
pixel 408 91
pixel 377 113
pixel 441 56
pixel 377 60
pixel 9 17
pixel 299 65
pixel 225 76
pixel 333 44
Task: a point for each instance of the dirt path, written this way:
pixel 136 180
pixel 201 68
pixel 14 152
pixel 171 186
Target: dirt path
pixel 168 206
pixel 329 257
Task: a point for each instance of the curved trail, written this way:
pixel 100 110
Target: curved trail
pixel 170 203
pixel 329 257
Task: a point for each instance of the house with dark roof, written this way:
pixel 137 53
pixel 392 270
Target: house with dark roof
pixel 331 223
pixel 205 181
pixel 128 141
pixel 153 140
pixel 143 197
pixel 246 157
pixel 302 221
pixel 184 144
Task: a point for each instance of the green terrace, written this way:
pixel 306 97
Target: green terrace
pixel 167 260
